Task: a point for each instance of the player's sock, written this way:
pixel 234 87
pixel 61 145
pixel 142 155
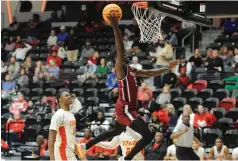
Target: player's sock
pixel 141 127
pixel 105 135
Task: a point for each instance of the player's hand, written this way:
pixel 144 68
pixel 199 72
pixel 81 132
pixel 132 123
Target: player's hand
pixel 113 20
pixel 173 64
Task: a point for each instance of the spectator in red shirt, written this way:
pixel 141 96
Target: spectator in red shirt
pixel 94 58
pixel 20 105
pixel 14 127
pixel 183 80
pixel 91 153
pixel 203 118
pixel 144 89
pixel 163 115
pixel 53 55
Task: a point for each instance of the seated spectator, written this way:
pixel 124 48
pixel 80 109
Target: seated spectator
pixel 42 107
pixel 231 87
pixel 52 39
pixel 225 56
pixel 171 152
pixel 28 66
pixel 165 96
pixel 91 70
pixel 39 69
pixel 18 41
pixel 200 151
pixel 157 149
pixel 91 153
pixel 172 38
pixel 135 48
pixel 203 118
pixel 14 29
pixel 216 64
pixel 135 63
pixel 187 108
pixel 76 105
pixel 43 144
pixel 183 80
pixel 100 124
pixel 235 153
pixel 53 71
pixel 20 105
pixel 154 121
pixel 94 58
pixel 72 46
pixel 62 36
pixel 54 56
pixel 23 80
pixel 172 115
pixel 102 69
pixel 219 151
pixel 8 87
pixel 61 51
pixel 148 104
pixel 183 64
pixel 30 110
pixel 10 45
pixel 16 126
pixel 3 68
pixel 230 26
pixel 127 43
pixel 14 68
pixel 209 56
pixel 163 115
pixel 86 52
pixel 196 60
pixel 112 82
pixel 141 92
pixel 20 53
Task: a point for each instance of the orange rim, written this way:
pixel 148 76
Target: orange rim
pixel 141 4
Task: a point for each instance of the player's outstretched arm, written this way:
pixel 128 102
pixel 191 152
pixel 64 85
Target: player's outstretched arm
pixel 119 47
pixel 156 72
pixel 51 143
pixel 110 145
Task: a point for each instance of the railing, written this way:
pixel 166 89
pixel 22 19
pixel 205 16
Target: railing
pixel 186 37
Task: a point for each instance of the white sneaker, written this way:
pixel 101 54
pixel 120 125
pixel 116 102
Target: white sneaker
pixel 122 158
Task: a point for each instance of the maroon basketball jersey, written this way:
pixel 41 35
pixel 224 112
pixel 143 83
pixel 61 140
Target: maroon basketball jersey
pixel 128 87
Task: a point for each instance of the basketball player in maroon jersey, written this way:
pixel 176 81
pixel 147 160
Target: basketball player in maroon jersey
pixel 126 109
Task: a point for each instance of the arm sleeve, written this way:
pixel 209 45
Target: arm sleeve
pixel 56 122
pixel 110 145
pixel 195 121
pixel 28 47
pixel 211 118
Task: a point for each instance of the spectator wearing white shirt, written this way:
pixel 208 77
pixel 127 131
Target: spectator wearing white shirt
pixel 52 39
pixel 76 105
pixel 200 151
pixel 135 63
pixel 171 152
pixel 235 154
pixel 3 67
pixel 20 53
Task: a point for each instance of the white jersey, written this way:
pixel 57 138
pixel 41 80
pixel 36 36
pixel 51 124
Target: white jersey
pixel 200 152
pixel 221 155
pixel 171 151
pixel 127 140
pixel 65 124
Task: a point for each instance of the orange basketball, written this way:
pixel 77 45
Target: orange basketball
pixel 111 9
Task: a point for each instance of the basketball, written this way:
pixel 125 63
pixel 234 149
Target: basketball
pixel 111 9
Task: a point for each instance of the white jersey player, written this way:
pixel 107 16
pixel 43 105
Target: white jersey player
pixel 127 140
pixel 62 131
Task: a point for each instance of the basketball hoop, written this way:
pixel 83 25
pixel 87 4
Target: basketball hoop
pixel 149 22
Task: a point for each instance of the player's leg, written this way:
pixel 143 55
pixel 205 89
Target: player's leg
pixel 117 130
pixel 142 128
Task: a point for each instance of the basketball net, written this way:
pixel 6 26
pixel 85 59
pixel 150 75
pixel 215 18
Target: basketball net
pixel 149 22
